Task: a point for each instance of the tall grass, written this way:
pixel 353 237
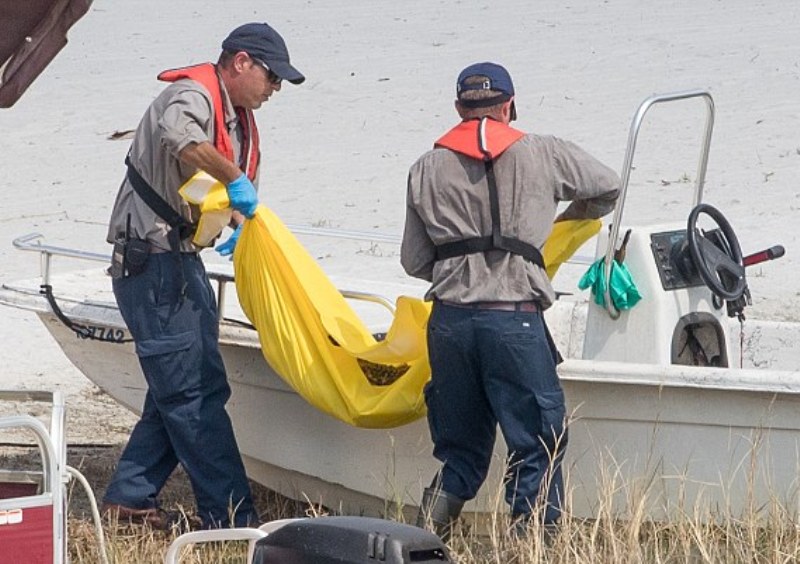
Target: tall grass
pixel 618 533
pixel 636 514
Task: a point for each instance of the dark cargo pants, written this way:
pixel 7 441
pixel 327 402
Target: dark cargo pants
pixel 489 368
pixel 184 418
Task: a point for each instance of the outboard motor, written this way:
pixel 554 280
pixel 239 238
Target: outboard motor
pixel 349 540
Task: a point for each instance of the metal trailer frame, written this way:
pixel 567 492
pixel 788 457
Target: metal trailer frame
pixel 20 517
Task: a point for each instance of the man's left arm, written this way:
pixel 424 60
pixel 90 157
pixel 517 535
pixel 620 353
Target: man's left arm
pixel 592 186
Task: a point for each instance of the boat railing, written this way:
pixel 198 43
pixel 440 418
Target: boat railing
pixel 627 167
pixel 35 242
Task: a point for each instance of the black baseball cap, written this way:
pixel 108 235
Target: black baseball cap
pixel 262 42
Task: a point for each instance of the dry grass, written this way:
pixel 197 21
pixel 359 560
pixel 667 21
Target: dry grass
pixel 681 540
pixel 769 535
pixel 761 534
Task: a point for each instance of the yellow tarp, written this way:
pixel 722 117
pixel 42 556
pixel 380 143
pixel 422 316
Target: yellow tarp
pixel 313 339
pixel 205 191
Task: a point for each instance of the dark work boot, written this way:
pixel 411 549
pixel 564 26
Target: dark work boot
pixel 440 509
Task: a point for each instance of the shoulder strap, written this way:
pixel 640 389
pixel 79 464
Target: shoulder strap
pixel 495 241
pixel 181 229
pixel 158 204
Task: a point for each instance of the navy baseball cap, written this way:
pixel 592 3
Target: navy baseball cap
pixel 497 80
pixel 262 42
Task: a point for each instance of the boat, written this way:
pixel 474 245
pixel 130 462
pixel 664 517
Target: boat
pixel 676 404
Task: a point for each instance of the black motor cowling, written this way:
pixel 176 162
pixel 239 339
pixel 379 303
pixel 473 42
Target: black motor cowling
pixel 349 540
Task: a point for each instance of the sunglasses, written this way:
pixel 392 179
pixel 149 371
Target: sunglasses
pixel 271 76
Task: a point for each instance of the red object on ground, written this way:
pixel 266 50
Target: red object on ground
pixel 17 489
pixel 26 535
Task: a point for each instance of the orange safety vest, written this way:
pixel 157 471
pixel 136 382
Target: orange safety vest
pixel 465 138
pixel 206 74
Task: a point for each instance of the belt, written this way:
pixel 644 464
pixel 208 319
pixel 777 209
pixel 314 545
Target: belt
pixel 158 250
pixel 526 306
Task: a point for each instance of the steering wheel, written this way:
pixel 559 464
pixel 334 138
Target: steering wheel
pixel 719 263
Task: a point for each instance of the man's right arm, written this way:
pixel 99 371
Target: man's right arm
pixel 417 254
pixel 183 126
pixel 417 251
pixel 205 156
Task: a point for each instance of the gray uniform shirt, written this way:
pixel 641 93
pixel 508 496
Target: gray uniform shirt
pixel 448 200
pixel 180 115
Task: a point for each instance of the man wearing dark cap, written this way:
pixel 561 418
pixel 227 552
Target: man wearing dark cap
pixel 202 121
pixel 479 208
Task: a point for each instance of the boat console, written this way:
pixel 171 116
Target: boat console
pixel 673 260
pixel 678 320
pixel 691 281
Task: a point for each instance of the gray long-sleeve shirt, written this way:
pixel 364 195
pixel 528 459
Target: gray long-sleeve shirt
pixel 181 114
pixel 448 200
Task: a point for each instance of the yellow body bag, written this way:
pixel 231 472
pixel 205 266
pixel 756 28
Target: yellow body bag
pixel 312 338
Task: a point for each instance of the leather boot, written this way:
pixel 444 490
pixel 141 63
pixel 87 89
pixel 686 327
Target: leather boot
pixel 441 510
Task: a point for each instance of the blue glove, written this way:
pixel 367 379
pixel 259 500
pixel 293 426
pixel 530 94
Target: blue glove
pixel 243 197
pixel 226 249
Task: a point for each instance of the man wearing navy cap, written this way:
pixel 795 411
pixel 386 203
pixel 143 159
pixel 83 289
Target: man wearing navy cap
pixel 202 121
pixel 479 208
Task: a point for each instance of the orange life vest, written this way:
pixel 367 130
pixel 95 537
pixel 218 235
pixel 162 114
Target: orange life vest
pixel 485 140
pixel 467 138
pixel 206 74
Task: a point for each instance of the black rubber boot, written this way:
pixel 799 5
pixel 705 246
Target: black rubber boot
pixel 439 509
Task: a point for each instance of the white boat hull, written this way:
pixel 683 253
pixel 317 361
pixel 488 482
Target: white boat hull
pixel 666 437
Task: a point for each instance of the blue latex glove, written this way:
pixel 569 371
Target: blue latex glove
pixel 243 197
pixel 226 249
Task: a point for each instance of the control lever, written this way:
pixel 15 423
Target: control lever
pixel 619 254
pixel 762 256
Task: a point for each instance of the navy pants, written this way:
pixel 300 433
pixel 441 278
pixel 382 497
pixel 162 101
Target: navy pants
pixel 496 367
pixel 184 418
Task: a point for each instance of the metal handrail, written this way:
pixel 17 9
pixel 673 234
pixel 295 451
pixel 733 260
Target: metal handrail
pixel 345 234
pixel 173 554
pixel 33 242
pixel 368 297
pixel 51 478
pixel 627 166
pixel 57 413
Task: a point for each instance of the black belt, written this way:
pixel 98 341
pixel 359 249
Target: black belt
pixel 526 306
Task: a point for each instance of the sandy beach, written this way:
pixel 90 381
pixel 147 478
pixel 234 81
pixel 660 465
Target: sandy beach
pixel 379 90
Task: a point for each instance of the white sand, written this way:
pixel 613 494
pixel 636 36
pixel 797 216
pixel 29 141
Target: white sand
pixel 379 91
